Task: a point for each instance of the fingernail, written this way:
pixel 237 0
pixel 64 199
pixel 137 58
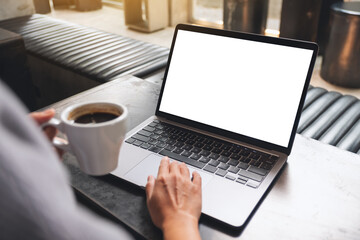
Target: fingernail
pixel 50 110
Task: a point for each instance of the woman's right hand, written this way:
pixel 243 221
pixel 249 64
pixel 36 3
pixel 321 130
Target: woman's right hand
pixel 174 200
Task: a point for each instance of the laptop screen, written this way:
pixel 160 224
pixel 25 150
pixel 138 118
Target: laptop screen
pixel 242 86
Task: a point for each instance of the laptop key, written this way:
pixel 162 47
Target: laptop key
pixel 235 149
pixel 210 168
pixel 155 136
pixel 160 126
pixel 235 156
pixel 152 141
pixel 208 141
pixel 153 124
pixel 187 147
pixel 149 128
pixel 214 163
pixel 245 153
pixel 266 166
pixel 163 139
pixel 159 132
pixel 186 153
pixel 216 150
pixel 224 159
pixel 226 153
pixel 141 138
pixel 253 184
pixel 204 159
pixel 233 162
pixel 196 150
pixel 233 169
pixel 214 156
pixel 130 140
pixel 260 171
pixel 199 145
pixel 171 141
pixel 232 178
pixel 223 166
pixel 204 153
pixel 182 158
pixel 221 172
pixel 161 144
pixel 242 181
pixel 225 147
pixel 255 163
pixel 207 147
pixel 179 144
pixel 154 149
pixel 255 156
pixel 145 133
pixel 169 147
pixel 182 139
pixel 195 156
pixel 190 142
pixel 245 160
pixel 251 175
pixel 145 145
pixel 243 165
pixel 178 150
pixel 137 143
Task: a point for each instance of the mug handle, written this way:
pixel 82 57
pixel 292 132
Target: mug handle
pixel 58 142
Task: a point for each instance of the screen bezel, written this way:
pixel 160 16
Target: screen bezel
pixel 245 36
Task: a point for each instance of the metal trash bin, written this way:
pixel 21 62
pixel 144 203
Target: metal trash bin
pixel 324 24
pixel 246 15
pixel 63 3
pixel 299 19
pixel 88 5
pixel 341 60
pixel 42 6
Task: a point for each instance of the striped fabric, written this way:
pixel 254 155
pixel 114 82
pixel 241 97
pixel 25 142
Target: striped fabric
pixel 98 55
pixel 332 118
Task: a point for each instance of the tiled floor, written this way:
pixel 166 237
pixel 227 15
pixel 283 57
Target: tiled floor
pixel 111 19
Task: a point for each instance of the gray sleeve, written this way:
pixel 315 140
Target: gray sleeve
pixel 36 201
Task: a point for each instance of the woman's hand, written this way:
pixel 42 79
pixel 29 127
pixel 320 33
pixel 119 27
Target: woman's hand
pixel 174 200
pixel 43 117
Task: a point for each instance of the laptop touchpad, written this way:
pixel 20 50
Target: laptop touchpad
pixel 150 166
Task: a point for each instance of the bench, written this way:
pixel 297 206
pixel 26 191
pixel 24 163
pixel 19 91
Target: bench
pixel 66 58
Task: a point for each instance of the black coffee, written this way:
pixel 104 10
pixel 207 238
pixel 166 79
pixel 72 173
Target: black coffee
pixel 97 117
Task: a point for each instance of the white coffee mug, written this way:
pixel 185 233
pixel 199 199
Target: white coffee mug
pixel 96 145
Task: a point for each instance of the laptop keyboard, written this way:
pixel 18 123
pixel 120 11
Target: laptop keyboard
pixel 231 161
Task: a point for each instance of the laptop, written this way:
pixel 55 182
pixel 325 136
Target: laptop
pixel 229 107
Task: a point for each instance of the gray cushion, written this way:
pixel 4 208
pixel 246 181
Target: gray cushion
pixel 93 53
pixel 332 118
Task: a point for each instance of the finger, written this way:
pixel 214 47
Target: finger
pixel 60 151
pixel 184 170
pixel 50 132
pixel 43 117
pixel 164 166
pixel 174 167
pixel 150 187
pixel 196 179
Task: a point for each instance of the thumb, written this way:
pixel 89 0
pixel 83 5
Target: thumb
pixel 150 187
pixel 43 117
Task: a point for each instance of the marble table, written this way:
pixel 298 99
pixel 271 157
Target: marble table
pixel 316 196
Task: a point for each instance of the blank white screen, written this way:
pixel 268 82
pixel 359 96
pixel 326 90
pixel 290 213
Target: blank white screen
pixel 242 86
